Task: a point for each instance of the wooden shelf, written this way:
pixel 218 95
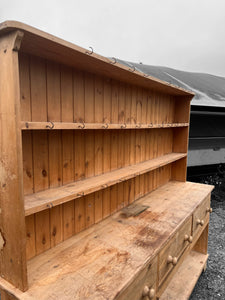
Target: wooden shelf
pixel 47 199
pixel 64 125
pixel 186 277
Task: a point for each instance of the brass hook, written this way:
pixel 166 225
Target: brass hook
pixel 89 53
pixel 123 126
pixel 105 126
pixel 114 61
pixel 50 126
pixel 81 126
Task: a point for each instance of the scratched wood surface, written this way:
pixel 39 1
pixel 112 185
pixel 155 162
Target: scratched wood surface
pixel 106 251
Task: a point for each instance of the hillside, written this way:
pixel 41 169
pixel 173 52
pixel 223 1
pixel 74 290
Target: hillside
pixel 209 89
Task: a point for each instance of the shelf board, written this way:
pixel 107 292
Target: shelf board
pixel 184 281
pixel 63 125
pixel 47 199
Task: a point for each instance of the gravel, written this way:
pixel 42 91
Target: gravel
pixel 211 284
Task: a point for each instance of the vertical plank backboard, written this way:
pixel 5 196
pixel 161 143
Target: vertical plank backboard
pixel 53 92
pixel 42 236
pixel 78 96
pixel 24 72
pixel 28 177
pixel 38 89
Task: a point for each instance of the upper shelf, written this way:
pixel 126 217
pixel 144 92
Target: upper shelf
pixel 47 199
pixel 64 125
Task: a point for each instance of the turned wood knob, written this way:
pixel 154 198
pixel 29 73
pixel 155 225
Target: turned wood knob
pixel 209 209
pixel 151 293
pixel 172 260
pixel 145 291
pixel 200 222
pixel 188 238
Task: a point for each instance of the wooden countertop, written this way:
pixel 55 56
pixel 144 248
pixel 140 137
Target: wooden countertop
pixel 101 261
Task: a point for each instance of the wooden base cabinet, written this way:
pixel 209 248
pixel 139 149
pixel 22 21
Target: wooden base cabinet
pixel 94 202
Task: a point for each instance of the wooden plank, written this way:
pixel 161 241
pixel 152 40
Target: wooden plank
pixel 28 176
pixel 106 202
pixel 128 105
pixel 89 210
pixel 89 154
pixel 98 96
pixel 66 87
pixel 202 243
pixel 114 150
pixel 67 157
pixel 133 110
pixel 107 101
pixel 126 141
pixel 121 149
pixel 84 126
pixel 106 152
pixel 121 104
pixel 120 195
pixel 56 225
pixel 89 98
pixel 80 214
pixel 38 89
pixel 12 220
pixel 98 206
pixel 6 296
pixel 68 220
pixel 40 161
pixel 55 158
pixel 186 277
pixel 98 154
pixel 79 153
pixel 24 74
pixel 78 97
pixel 42 232
pixel 113 198
pixel 139 106
pixel 114 102
pixel 53 92
pixel 30 234
pixel 55 196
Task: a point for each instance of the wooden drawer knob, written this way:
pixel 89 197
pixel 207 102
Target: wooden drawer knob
pixel 188 238
pixel 200 222
pixel 172 260
pixel 145 291
pixel 148 294
pixel 209 209
pixel 151 293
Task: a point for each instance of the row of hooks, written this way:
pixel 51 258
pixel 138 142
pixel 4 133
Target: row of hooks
pixel 113 61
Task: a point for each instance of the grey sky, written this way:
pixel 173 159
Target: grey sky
pixel 187 35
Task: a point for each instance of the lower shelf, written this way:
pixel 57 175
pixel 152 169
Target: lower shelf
pixel 185 279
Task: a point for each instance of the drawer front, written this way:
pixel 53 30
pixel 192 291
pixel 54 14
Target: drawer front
pixel 200 214
pixel 171 253
pixel 144 280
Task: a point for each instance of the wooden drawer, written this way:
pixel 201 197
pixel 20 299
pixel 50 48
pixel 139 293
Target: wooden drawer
pixel 145 280
pixel 171 253
pixel 200 214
